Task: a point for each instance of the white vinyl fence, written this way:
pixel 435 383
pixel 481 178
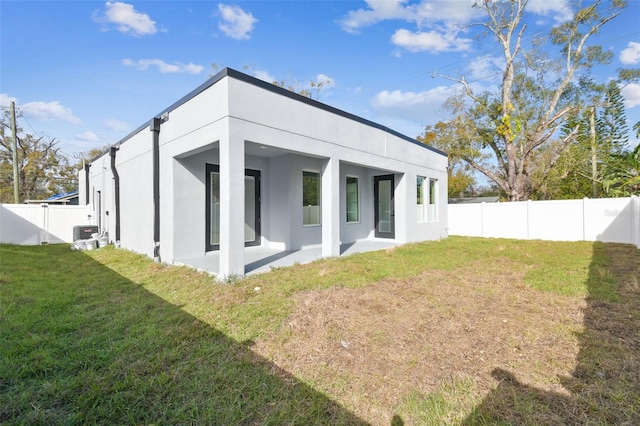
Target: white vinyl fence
pixel 604 219
pixel 34 224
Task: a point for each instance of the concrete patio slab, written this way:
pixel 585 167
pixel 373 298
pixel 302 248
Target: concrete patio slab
pixel 261 259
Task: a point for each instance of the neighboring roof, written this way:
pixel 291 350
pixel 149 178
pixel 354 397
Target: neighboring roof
pixel 229 72
pixel 473 200
pixel 64 196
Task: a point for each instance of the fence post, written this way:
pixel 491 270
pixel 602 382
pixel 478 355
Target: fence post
pixel 482 219
pixel 635 220
pixel 529 219
pixel 44 235
pixel 584 218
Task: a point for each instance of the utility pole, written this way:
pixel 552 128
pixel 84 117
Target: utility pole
pixel 594 156
pixel 16 192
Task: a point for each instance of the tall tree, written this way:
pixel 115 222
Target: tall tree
pixel 461 180
pixel 622 177
pixel 612 122
pixel 601 135
pixel 42 170
pixel 510 128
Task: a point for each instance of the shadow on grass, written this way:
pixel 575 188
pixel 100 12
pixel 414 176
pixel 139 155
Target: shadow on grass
pixel 604 387
pixel 82 344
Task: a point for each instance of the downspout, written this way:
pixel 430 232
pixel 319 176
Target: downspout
pixel 86 183
pixel 116 180
pixel 155 128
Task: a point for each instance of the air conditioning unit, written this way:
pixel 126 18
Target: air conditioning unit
pixel 83 232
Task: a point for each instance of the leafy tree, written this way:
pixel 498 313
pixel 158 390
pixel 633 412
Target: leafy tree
pixel 42 170
pixel 87 156
pixel 626 76
pixel 311 90
pixel 461 181
pixel 611 126
pixel 599 138
pixel 622 178
pixel 511 132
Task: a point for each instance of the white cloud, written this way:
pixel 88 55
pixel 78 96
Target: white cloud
pixel 116 125
pixel 424 12
pixel 49 111
pixel 458 12
pixel 163 67
pixel 631 93
pixel 559 10
pixel 378 11
pixel 438 23
pixel 328 81
pixel 630 55
pixel 5 100
pixel 430 41
pixel 87 136
pixel 486 67
pixel 264 75
pixel 413 106
pixel 127 19
pixel 236 23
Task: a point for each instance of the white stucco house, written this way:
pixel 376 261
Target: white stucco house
pixel 239 163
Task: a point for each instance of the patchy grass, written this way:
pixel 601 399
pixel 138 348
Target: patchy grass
pixel 82 343
pixel 460 331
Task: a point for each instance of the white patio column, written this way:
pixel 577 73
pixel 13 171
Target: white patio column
pixel 331 208
pixel 231 206
pixel 403 193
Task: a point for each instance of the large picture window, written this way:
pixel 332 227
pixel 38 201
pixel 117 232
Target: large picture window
pixel 353 208
pixel 427 196
pixel 310 198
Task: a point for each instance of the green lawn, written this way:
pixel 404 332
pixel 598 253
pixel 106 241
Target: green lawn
pixel 109 337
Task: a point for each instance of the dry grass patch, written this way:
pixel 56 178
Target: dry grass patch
pixel 378 349
pixel 463 331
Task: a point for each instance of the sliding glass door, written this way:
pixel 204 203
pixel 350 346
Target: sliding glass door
pixel 251 207
pixel 384 211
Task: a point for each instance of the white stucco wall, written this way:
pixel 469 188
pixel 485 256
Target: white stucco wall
pixel 189 204
pixel 260 115
pixel 362 229
pixel 282 137
pixel 135 168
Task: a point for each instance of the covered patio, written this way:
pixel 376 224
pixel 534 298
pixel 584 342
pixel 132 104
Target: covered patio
pixel 261 259
pixel 241 176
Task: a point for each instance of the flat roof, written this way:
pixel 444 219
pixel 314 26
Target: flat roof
pixel 229 72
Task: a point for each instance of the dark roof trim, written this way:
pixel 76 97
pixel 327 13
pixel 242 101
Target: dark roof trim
pixel 229 72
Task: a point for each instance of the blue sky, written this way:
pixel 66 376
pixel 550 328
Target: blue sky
pixel 87 73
